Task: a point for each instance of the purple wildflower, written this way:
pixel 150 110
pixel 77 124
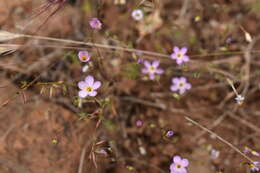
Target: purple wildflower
pixel 179 165
pixel 255 166
pixel 88 87
pixel 214 154
pixel 169 133
pixel 95 23
pixel 139 123
pixel 84 56
pixel 137 14
pixel 180 84
pixel 180 55
pixel 139 61
pixel 152 69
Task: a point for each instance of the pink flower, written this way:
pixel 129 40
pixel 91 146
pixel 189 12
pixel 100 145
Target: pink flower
pixel 88 87
pixel 152 69
pixel 95 23
pixel 84 56
pixel 179 165
pixel 180 55
pixel 180 84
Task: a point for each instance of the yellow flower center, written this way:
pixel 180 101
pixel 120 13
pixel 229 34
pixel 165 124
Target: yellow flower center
pixel 151 68
pixel 251 165
pixel 84 58
pixel 179 55
pixel 178 166
pixel 89 89
pixel 181 84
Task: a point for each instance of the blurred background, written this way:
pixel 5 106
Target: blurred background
pixel 46 128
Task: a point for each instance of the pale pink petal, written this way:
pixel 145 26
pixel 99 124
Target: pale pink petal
pixel 82 85
pixel 82 53
pixel 145 70
pixel 185 58
pixel 177 159
pixel 173 56
pixel 184 162
pixel 182 90
pixel 83 94
pixel 179 61
pixel 176 49
pixel 156 64
pixel 92 94
pixel 159 71
pixel 188 86
pixel 174 87
pixel 89 80
pixel 96 85
pixel 147 64
pixel 184 50
pixel 175 80
pixel 182 79
pixel 151 76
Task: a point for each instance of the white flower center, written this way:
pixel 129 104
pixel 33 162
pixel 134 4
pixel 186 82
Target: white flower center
pixel 152 69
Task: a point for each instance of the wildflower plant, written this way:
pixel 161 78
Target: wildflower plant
pixel 255 166
pixel 88 87
pixel 152 69
pixel 84 56
pixel 179 55
pixel 180 84
pixel 137 14
pixel 179 165
pixel 95 24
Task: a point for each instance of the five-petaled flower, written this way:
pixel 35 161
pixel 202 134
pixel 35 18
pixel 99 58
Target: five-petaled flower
pixel 240 99
pixel 84 56
pixel 152 69
pixel 179 55
pixel 137 14
pixel 180 84
pixel 88 87
pixel 95 23
pixel 255 166
pixel 179 165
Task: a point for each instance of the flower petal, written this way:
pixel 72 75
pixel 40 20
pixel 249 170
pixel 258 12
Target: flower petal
pixel 82 85
pixel 176 49
pixel 185 58
pixel 89 80
pixel 83 94
pixel 147 64
pixel 156 64
pixel 92 94
pixel 175 80
pixel 177 159
pixel 151 76
pixel 179 61
pixel 182 90
pixel 82 53
pixel 174 87
pixel 96 85
pixel 159 71
pixel 183 79
pixel 188 86
pixel 184 50
pixel 145 70
pixel 184 162
pixel 173 56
